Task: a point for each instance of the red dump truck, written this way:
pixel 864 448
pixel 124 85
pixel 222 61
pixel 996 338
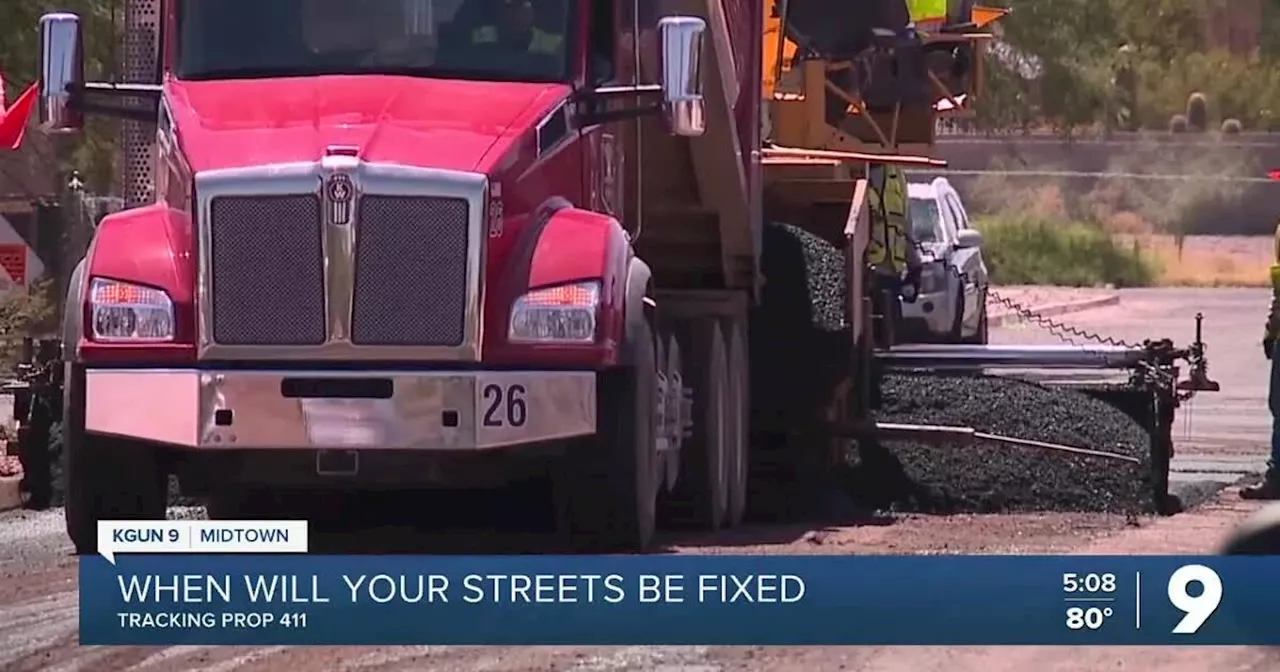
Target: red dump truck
pixel 367 250
pixel 408 244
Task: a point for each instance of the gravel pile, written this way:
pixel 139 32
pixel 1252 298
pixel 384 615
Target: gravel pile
pixel 799 339
pixel 801 331
pixel 989 478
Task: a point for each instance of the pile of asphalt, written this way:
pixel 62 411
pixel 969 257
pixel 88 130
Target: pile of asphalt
pixel 990 477
pixel 799 340
pixel 801 331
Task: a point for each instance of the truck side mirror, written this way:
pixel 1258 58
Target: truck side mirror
pixel 968 238
pixel 61 68
pixel 683 107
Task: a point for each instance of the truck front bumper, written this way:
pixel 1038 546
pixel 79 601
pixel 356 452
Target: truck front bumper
pixel 374 410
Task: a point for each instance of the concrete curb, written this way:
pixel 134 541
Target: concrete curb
pixel 10 496
pixel 1053 309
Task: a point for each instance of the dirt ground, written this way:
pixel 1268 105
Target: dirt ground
pixel 1210 261
pixel 38 584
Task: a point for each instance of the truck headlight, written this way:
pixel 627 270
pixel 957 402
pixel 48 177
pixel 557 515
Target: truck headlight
pixel 121 311
pixel 561 314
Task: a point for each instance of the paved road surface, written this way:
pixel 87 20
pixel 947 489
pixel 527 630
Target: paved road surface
pixel 38 587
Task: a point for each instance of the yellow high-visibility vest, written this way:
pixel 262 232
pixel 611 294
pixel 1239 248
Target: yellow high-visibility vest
pixel 887 247
pixel 1273 317
pixel 927 11
pixel 542 42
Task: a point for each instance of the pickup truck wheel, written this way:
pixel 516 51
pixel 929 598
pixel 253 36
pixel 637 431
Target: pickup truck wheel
pixel 610 482
pixel 983 335
pixel 738 423
pixel 107 478
pixel 701 496
pixel 957 320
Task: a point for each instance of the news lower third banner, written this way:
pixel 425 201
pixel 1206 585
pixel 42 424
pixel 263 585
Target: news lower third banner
pixel 248 584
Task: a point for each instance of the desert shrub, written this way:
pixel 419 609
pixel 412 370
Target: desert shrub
pixel 1031 249
pixel 23 314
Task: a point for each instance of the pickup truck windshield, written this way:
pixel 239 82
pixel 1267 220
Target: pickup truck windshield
pixel 926 221
pixel 501 40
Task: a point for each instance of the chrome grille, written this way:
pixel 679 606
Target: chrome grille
pixel 267 267
pixel 410 271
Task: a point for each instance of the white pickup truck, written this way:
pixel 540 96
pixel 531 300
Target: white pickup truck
pixel 952 303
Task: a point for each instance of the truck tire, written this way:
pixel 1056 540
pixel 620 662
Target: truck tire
pixel 739 428
pixel 35 452
pixel 674 413
pixel 610 482
pixel 701 496
pixel 106 478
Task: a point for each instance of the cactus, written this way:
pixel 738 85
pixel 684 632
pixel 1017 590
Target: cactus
pixel 1198 112
pixel 1178 123
pixel 1232 127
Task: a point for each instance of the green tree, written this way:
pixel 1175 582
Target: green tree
pixel 1069 41
pixel 1162 29
pixel 1078 46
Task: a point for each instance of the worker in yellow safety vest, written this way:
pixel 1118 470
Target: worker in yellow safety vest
pixel 928 13
pixel 1270 487
pixel 516 31
pixel 894 260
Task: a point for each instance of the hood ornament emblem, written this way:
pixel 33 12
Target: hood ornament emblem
pixel 340 192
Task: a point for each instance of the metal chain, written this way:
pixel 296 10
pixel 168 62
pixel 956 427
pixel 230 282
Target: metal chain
pixel 1068 334
pixel 1065 332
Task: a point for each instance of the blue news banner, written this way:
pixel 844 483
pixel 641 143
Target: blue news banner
pixel 883 600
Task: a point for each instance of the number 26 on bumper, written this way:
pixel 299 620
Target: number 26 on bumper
pixel 505 406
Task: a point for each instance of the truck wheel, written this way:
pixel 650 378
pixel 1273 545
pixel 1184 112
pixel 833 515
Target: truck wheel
pixel 701 497
pixel 106 478
pixel 36 454
pixel 610 483
pixel 673 415
pixel 738 422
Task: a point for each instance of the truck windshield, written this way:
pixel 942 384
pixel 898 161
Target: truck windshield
pixel 500 40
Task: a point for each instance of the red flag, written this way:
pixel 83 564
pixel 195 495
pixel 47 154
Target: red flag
pixel 13 122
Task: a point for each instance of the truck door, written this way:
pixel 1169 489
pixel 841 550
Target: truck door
pixel 603 169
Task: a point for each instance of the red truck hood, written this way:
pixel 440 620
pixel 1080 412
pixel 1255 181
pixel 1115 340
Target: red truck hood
pixel 449 124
